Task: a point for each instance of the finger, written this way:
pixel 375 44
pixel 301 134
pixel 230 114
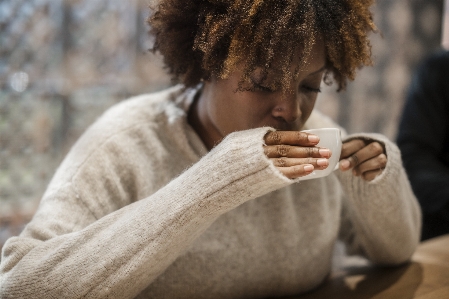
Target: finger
pixel 276 151
pixel 349 162
pixel 291 138
pixel 373 149
pixel 320 163
pixel 371 175
pixel 351 147
pixel 296 171
pixel 376 163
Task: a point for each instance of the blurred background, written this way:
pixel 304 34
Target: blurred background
pixel 63 63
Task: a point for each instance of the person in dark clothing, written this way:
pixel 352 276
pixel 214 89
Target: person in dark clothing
pixel 423 138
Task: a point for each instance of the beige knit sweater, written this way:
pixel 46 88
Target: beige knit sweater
pixel 140 209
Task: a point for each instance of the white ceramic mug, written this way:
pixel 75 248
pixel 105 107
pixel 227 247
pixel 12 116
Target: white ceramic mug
pixel 329 138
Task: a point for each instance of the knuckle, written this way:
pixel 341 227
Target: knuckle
pixel 281 162
pixel 382 159
pixel 298 170
pixel 301 136
pixel 354 159
pixel 282 150
pixel 376 148
pixel 309 151
pixel 275 137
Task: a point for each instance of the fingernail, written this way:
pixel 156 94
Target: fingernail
pixel 308 168
pixel 322 162
pixel 325 152
pixel 313 138
pixel 345 164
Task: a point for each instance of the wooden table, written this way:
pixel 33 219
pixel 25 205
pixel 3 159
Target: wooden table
pixel 426 277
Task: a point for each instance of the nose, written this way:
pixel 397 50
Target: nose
pixel 287 107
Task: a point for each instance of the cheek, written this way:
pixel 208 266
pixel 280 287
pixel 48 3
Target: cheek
pixel 251 112
pixel 235 112
pixel 246 115
pixel 247 103
pixel 307 106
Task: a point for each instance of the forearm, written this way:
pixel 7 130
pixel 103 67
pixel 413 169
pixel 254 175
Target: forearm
pixel 384 214
pixel 123 252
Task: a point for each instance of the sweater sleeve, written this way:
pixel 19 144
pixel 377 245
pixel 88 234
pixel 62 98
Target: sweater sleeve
pixel 381 219
pixel 71 254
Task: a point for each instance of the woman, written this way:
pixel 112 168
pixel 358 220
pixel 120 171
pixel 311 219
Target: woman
pixel 191 192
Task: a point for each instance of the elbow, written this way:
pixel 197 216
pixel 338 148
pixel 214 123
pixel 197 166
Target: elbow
pixel 400 251
pixel 14 277
pixel 9 286
pixel 391 259
pixel 11 283
pixel 19 284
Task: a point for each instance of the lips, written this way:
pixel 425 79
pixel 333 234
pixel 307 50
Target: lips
pixel 282 125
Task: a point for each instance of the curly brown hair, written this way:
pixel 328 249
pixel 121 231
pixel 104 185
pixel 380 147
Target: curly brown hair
pixel 203 38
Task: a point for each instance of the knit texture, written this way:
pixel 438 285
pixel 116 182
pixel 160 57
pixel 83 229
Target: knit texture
pixel 140 209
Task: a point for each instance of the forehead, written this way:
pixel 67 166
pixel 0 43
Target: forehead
pixel 302 62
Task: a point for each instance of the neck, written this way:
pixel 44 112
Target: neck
pixel 198 118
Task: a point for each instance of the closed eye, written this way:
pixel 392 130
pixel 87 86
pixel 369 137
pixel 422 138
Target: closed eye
pixel 259 86
pixel 263 88
pixel 307 88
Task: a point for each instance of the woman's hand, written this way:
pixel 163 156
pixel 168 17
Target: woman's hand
pixel 367 159
pixel 295 153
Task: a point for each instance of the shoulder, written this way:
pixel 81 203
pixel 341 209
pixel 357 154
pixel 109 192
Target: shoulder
pixel 143 113
pixel 127 127
pixel 152 107
pixel 118 157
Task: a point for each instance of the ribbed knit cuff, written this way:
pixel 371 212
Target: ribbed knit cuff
pixel 384 212
pixel 388 182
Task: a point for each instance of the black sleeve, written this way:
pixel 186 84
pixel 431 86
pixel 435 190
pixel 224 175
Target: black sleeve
pixel 423 135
